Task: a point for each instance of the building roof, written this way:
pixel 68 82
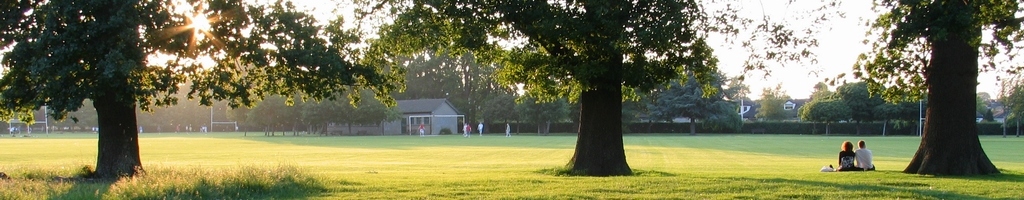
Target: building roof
pixel 799 102
pixel 423 105
pixel 750 114
pixel 756 106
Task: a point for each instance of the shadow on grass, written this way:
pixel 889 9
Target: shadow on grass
pixel 566 172
pixel 1005 176
pixel 882 189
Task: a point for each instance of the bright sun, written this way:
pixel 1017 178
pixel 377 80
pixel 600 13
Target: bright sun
pixel 200 23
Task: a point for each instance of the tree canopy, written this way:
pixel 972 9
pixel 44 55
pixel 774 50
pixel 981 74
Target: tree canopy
pixel 826 111
pixel 466 83
pixel 588 51
pixel 935 47
pixel 860 101
pixel 585 50
pixel 690 100
pixel 541 113
pixel 772 102
pixel 66 51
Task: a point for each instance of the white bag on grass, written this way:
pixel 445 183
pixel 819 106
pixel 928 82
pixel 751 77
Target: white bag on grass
pixel 827 169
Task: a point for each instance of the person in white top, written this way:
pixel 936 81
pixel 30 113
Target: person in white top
pixel 508 130
pixel 864 157
pixel 480 128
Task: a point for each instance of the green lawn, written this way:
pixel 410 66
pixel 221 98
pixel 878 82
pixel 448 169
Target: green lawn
pixel 228 165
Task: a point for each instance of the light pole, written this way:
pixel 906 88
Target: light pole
pixel 211 117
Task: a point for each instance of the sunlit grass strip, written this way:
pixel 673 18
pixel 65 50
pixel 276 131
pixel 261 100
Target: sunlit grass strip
pixel 248 182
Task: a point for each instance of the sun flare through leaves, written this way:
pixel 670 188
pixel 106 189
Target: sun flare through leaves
pixel 200 23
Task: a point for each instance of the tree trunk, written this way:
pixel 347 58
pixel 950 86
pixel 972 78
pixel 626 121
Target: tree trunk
pixel 650 124
pixel 949 144
pixel 827 129
pixel 118 154
pixel 540 128
pixel 547 128
pixel 599 150
pixel 693 126
pixel 885 125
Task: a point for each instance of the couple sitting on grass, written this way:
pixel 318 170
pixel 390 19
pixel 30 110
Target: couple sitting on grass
pixel 847 157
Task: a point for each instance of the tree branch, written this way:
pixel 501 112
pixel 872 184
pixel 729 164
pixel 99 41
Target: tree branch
pixel 1010 22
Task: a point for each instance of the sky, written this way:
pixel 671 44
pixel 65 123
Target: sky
pixel 839 46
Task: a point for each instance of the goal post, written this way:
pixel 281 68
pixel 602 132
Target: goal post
pixel 229 126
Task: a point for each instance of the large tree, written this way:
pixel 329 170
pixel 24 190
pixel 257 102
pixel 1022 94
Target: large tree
pixel 903 113
pixel 467 84
pixel 694 101
pixel 861 102
pixel 588 51
pixel 585 50
pixel 67 51
pixel 542 114
pixel 318 115
pixel 501 108
pixel 772 102
pixel 827 111
pixel 935 46
pixel 1012 96
pixel 274 114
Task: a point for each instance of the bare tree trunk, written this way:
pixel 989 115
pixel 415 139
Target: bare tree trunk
pixel 885 125
pixel 949 144
pixel 828 130
pixel 118 154
pixel 599 149
pixel 693 126
pixel 547 128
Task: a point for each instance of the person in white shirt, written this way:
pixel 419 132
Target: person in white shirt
pixel 508 130
pixel 864 157
pixel 480 128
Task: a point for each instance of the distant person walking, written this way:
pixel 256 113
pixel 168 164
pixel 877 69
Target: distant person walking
pixel 421 130
pixel 480 128
pixel 846 158
pixel 864 157
pixel 466 130
pixel 508 130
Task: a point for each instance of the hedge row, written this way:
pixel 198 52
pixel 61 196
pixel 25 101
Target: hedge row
pixel 872 128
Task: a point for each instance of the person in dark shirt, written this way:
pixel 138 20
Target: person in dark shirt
pixel 846 158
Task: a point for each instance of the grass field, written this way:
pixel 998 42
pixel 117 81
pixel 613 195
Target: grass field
pixel 230 166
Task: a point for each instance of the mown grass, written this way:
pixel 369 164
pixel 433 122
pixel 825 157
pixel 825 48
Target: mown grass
pixel 229 166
